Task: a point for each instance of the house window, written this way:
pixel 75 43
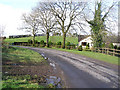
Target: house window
pixel 84 43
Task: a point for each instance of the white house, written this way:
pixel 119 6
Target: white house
pixel 117 44
pixel 85 40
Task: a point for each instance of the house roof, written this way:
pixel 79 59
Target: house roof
pixel 81 37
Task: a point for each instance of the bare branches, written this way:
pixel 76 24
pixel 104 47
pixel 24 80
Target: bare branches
pixel 108 11
pixel 32 23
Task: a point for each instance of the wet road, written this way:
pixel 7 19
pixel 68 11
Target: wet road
pixel 82 72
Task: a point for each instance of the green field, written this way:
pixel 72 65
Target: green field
pixel 94 55
pixel 53 39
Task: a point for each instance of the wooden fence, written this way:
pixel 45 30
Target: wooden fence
pixel 108 51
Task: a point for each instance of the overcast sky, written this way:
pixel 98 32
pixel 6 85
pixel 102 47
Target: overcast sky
pixel 11 12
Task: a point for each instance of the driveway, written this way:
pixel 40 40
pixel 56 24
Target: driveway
pixel 82 72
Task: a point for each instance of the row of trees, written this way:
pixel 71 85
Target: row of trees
pixel 65 16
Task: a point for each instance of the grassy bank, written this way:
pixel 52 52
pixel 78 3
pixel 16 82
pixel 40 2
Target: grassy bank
pixel 21 55
pixel 20 68
pixel 54 39
pixel 94 55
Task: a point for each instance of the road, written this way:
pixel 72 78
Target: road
pixel 82 72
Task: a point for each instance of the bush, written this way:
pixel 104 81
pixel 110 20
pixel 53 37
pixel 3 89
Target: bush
pixel 111 45
pixel 30 41
pixel 115 47
pixel 68 44
pixel 36 41
pixel 87 48
pixel 80 48
pixel 36 45
pixel 59 43
pixel 42 43
pixel 73 46
pixel 118 48
pixel 50 43
pixel 88 45
pixel 103 45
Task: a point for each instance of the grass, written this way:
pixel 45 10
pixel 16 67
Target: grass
pixel 54 39
pixel 15 55
pixel 22 55
pixel 19 82
pixel 94 55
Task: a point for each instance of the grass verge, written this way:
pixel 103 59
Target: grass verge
pixel 94 55
pixel 17 63
pixel 21 55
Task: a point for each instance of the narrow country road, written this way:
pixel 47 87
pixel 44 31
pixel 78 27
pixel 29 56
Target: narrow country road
pixel 82 72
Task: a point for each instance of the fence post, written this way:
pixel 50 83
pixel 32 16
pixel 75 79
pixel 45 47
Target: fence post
pixel 107 51
pixel 113 52
pixel 7 45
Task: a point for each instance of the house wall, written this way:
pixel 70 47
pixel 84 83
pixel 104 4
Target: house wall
pixel 88 40
pixel 118 44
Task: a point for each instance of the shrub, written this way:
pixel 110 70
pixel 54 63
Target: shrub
pixel 119 48
pixel 68 44
pixel 73 45
pixel 80 48
pixel 103 45
pixel 36 45
pixel 36 41
pixel 59 43
pixel 42 43
pixel 30 41
pixel 111 45
pixel 88 45
pixel 50 43
pixel 87 48
pixel 115 47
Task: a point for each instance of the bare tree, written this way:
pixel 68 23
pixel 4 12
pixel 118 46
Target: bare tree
pixel 47 20
pixel 66 14
pixel 31 23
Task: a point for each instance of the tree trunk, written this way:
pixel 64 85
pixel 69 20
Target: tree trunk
pixel 47 39
pixel 33 40
pixel 64 38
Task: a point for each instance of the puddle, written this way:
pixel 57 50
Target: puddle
pixel 56 81
pixel 52 64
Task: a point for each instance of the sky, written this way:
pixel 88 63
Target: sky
pixel 11 13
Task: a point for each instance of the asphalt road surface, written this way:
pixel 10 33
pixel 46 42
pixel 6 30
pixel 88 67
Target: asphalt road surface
pixel 82 72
